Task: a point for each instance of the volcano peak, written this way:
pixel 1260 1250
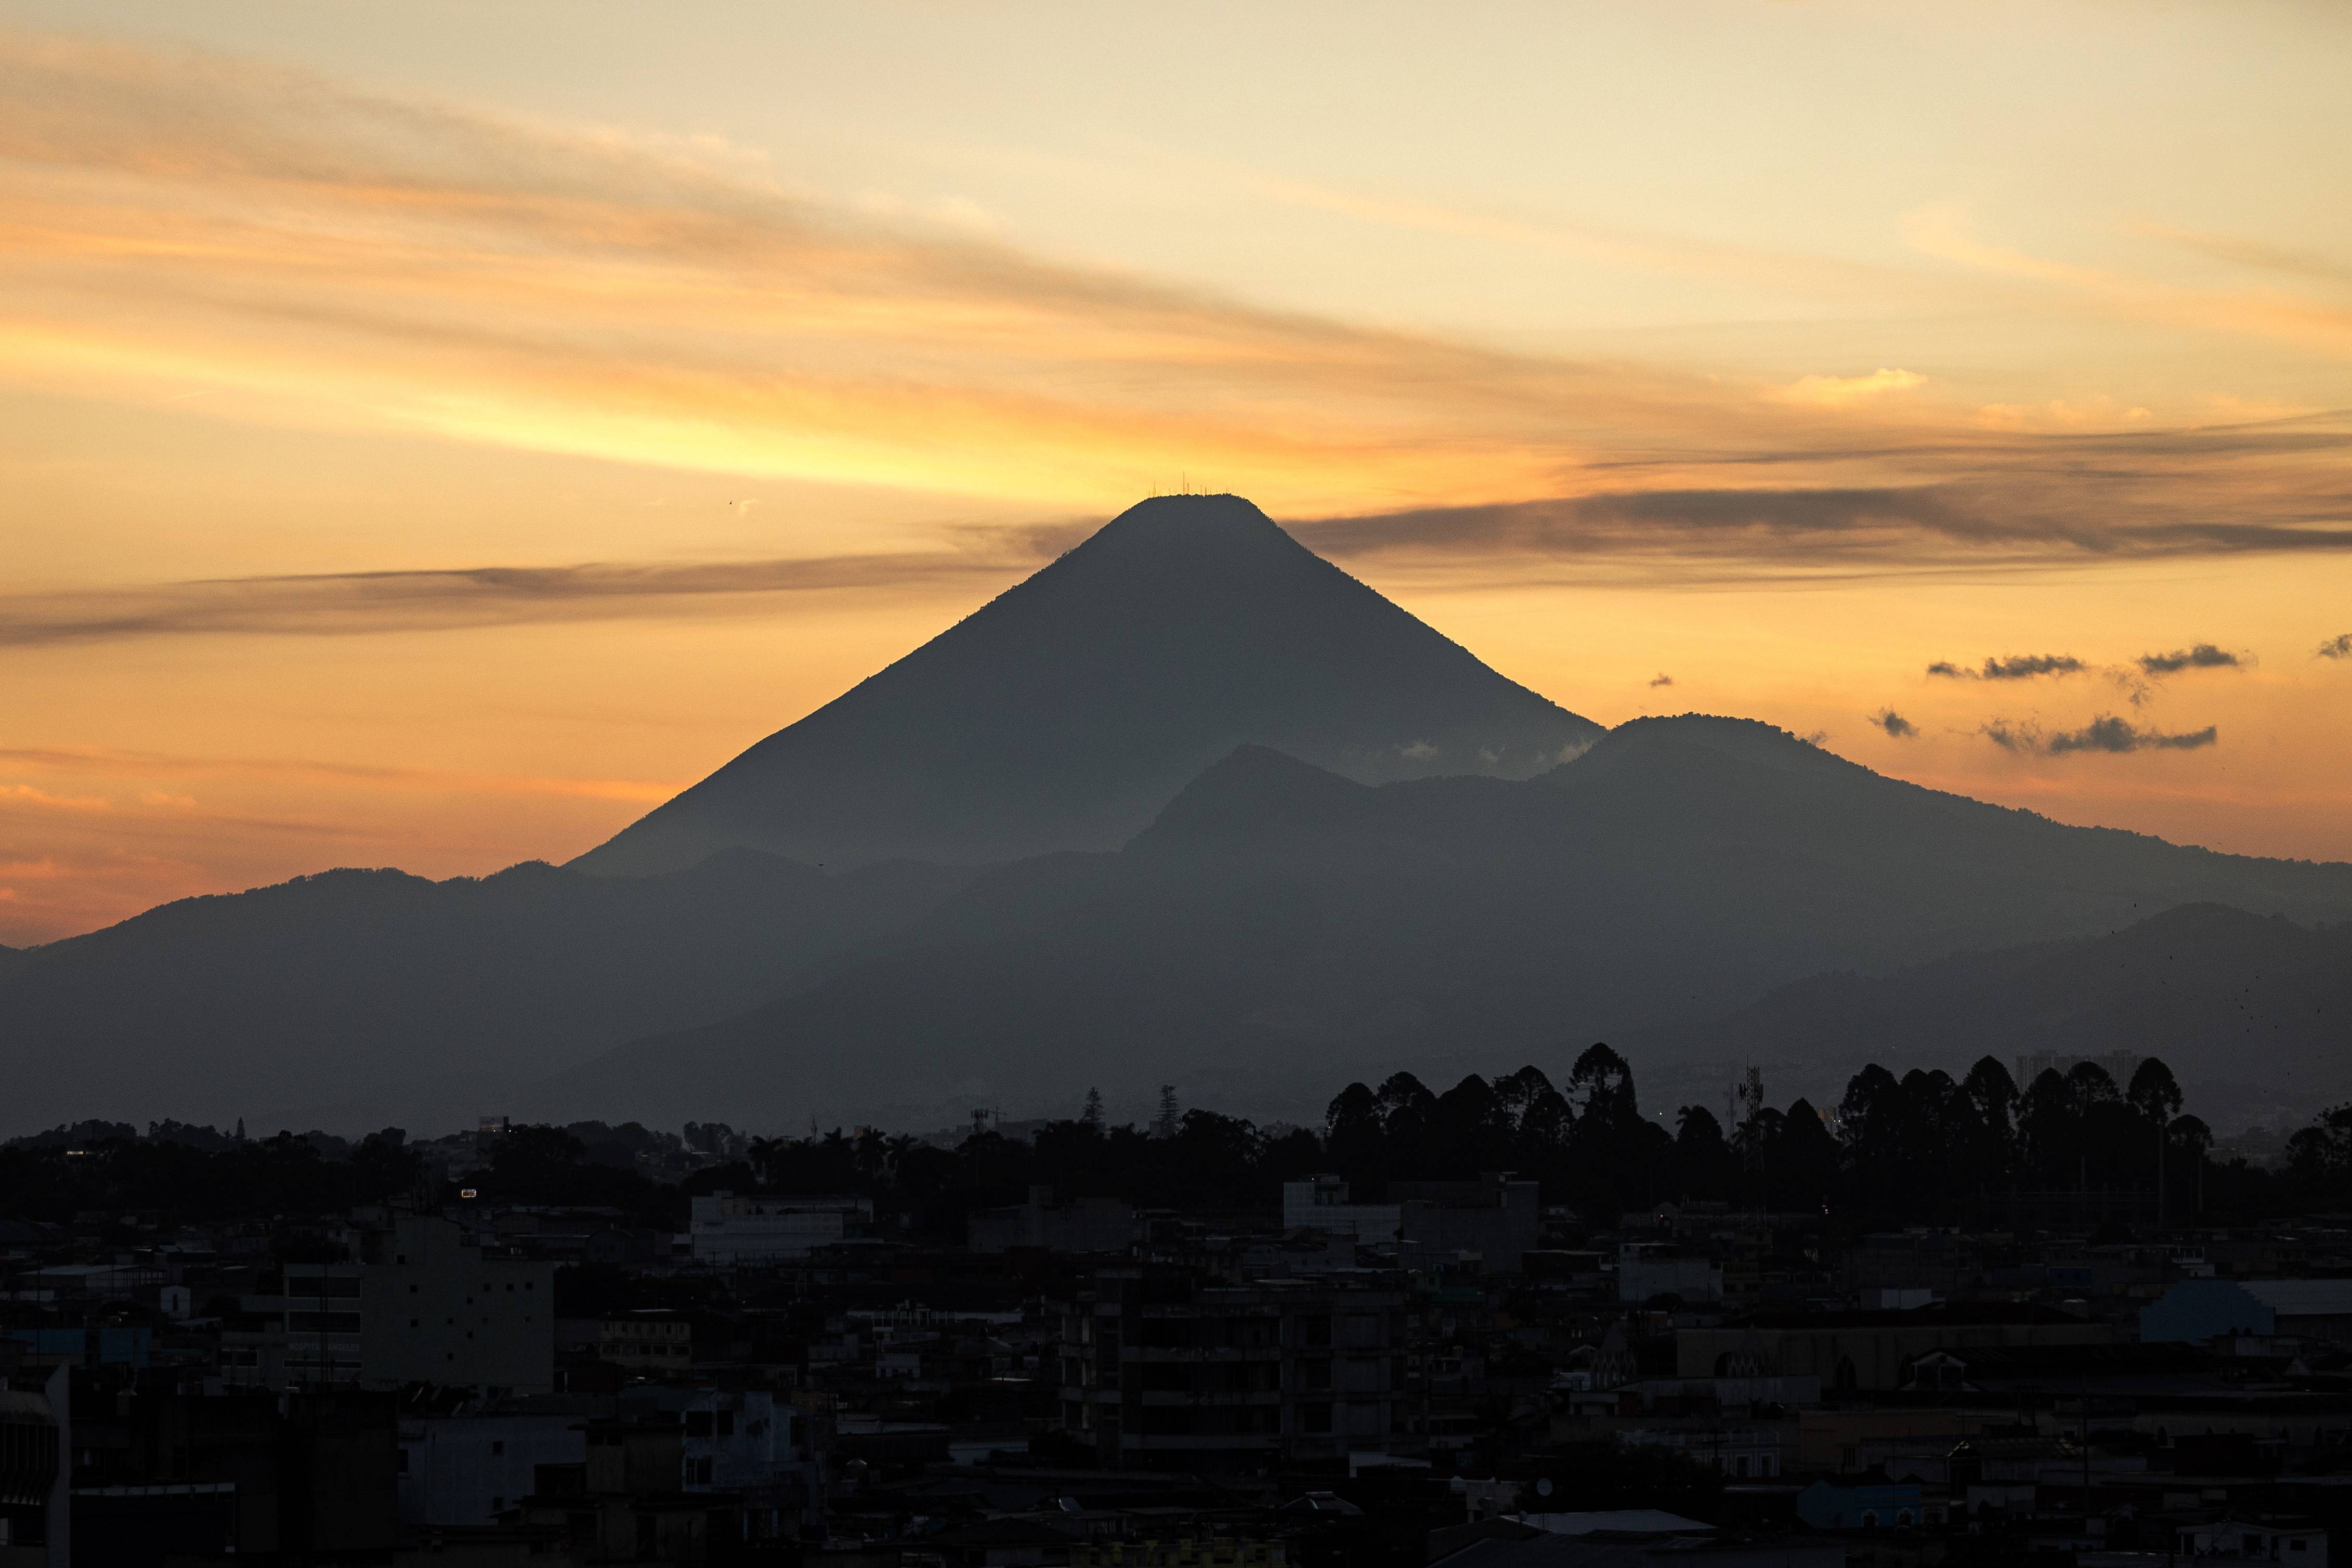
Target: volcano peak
pixel 1067 711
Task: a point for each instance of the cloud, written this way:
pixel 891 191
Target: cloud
pixel 1839 391
pixel 2104 733
pixel 1895 724
pixel 2336 646
pixel 87 761
pixel 357 603
pixel 2016 667
pixel 2204 656
pixel 1661 678
pixel 2019 510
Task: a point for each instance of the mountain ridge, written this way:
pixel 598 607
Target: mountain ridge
pixel 1275 914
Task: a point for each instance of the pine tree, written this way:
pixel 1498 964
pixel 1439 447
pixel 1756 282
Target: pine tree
pixel 1092 1116
pixel 1164 1125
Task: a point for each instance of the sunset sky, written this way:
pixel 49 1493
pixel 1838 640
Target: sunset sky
pixel 432 434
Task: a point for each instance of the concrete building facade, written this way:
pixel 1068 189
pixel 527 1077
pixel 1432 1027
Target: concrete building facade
pixel 436 1308
pixel 1159 1370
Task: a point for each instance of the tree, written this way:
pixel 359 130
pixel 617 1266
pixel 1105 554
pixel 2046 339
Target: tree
pixel 1352 1133
pixel 1703 1163
pixel 1092 1116
pixel 1407 1108
pixel 1806 1157
pixel 1468 1130
pixel 2154 1093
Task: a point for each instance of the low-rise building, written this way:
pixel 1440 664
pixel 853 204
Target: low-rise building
pixel 2195 1311
pixel 467 1469
pixel 1852 1350
pixel 648 1341
pixel 726 1230
pixel 1088 1225
pixel 1432 1225
pixel 1648 1270
pixel 1160 1369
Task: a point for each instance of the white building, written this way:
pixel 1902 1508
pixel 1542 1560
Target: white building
pixel 1320 1203
pixel 729 1229
pixel 1647 1270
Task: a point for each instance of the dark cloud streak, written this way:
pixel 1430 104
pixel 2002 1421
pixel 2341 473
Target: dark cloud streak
pixel 2016 667
pixel 356 603
pixel 2203 656
pixel 2105 734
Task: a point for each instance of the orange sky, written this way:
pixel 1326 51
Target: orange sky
pixel 429 441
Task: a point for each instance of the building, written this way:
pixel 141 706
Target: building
pixel 1898 1505
pixel 1089 1225
pixel 468 1468
pixel 1432 1223
pixel 726 1229
pixel 2301 1542
pixel 35 1468
pixel 2196 1311
pixel 1321 1202
pixel 1163 1370
pixel 1648 1270
pixel 436 1308
pixel 653 1339
pixel 1850 1350
pixel 320 1319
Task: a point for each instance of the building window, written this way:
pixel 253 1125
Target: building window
pixel 1315 1418
pixel 498 1450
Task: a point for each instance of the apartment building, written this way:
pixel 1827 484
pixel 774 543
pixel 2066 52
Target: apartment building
pixel 1162 1369
pixel 435 1307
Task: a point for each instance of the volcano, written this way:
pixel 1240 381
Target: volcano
pixel 1065 713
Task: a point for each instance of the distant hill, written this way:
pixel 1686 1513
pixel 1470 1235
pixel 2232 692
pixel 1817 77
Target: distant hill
pixel 1066 712
pixel 390 997
pixel 2252 1013
pixel 1278 929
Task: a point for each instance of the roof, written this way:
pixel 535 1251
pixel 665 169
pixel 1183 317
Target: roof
pixel 1940 1314
pixel 2302 1298
pixel 1618 1522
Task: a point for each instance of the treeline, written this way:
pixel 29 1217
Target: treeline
pixel 1924 1147
pixel 283 1176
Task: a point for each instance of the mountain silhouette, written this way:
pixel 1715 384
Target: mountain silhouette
pixel 1066 712
pixel 2251 1012
pixel 1278 929
pixel 1188 806
pixel 354 988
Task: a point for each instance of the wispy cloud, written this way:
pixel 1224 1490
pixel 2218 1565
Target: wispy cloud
pixel 2336 646
pixel 2204 656
pixel 2104 733
pixel 1661 678
pixel 304 253
pixel 1894 724
pixel 357 603
pixel 89 761
pixel 2312 326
